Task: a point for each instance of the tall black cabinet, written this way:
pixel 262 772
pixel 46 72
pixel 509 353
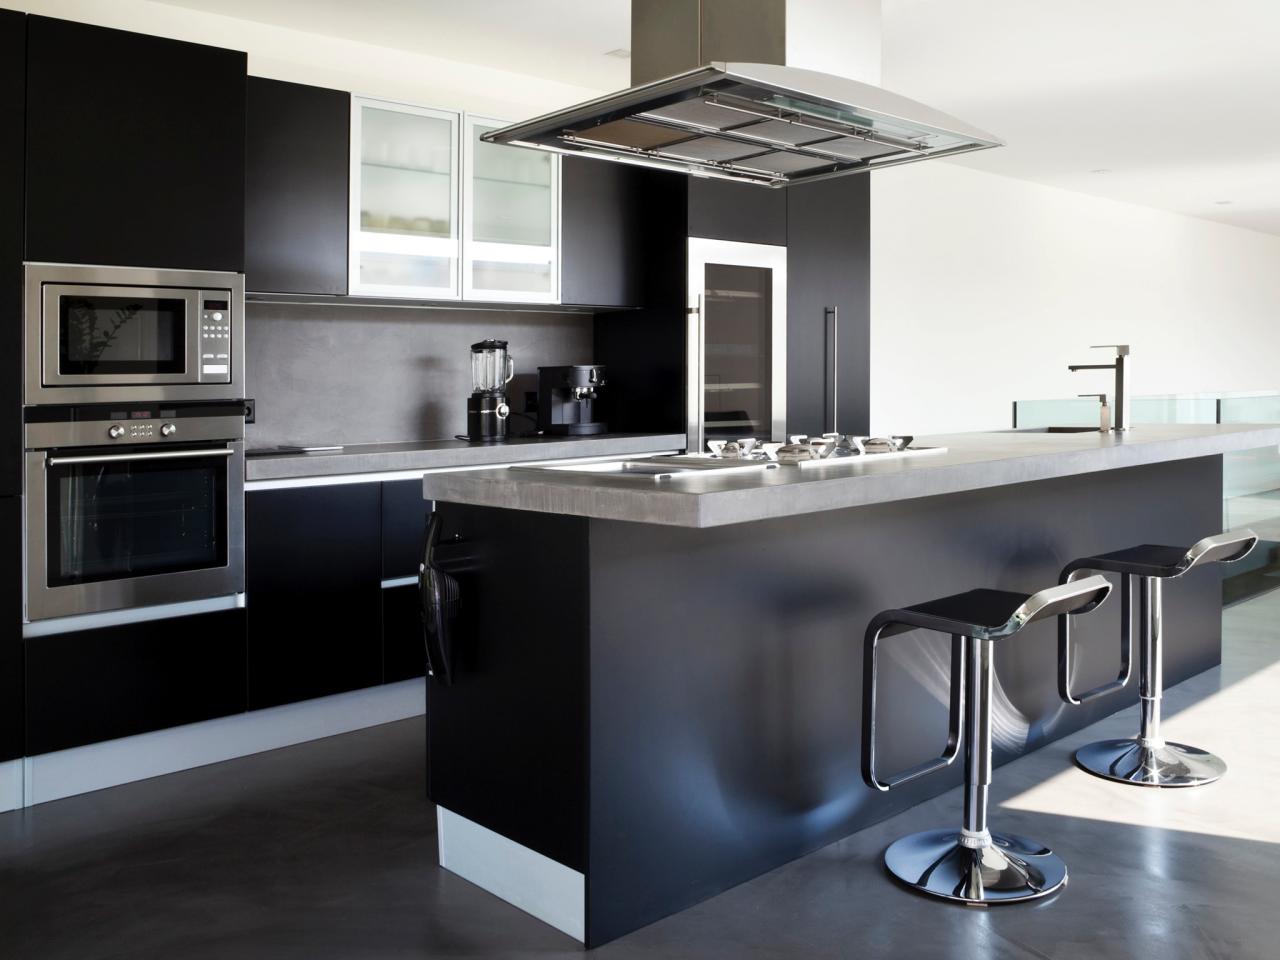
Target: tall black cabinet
pixel 13 98
pixel 828 305
pixel 135 149
pixel 12 109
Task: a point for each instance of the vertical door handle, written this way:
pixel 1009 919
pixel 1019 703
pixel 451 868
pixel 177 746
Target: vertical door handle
pixel 697 377
pixel 831 315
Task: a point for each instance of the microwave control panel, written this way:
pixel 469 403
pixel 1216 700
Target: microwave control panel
pixel 215 338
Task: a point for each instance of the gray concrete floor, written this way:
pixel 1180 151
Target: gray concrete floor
pixel 327 850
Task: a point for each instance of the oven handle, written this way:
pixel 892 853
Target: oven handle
pixel 162 455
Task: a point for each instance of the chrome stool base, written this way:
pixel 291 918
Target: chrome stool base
pixel 1173 765
pixel 1011 869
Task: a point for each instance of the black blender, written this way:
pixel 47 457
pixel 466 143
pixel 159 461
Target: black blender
pixel 491 370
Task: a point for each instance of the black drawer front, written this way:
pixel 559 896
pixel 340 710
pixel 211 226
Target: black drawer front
pixel 95 685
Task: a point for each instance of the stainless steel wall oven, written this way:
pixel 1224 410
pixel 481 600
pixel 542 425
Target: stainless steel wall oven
pixel 132 508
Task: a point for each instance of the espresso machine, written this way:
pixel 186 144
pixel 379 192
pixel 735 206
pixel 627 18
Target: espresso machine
pixel 567 400
pixel 491 370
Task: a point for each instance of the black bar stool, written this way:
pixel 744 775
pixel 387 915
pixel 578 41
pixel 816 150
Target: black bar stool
pixel 971 864
pixel 1147 760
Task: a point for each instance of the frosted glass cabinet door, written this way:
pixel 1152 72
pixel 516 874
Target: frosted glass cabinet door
pixel 510 216
pixel 405 240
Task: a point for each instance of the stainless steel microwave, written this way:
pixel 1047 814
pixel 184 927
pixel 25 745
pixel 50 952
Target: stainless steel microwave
pixel 103 334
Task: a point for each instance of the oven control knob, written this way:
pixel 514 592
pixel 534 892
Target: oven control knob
pixel 115 432
pixel 168 430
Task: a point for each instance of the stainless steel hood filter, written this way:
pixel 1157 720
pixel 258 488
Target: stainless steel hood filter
pixel 757 122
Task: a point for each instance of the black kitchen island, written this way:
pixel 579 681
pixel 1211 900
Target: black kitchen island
pixel 657 683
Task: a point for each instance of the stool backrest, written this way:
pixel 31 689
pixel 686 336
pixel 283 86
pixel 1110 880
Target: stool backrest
pixel 1220 548
pixel 1075 596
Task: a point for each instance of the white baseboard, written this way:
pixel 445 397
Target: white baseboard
pixel 51 776
pixel 524 878
pixel 10 785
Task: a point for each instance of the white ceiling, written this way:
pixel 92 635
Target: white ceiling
pixel 1178 100
pixel 562 40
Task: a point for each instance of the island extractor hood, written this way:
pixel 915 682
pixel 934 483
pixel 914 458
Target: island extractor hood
pixel 757 122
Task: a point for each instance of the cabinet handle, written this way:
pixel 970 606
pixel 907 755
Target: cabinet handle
pixel 832 317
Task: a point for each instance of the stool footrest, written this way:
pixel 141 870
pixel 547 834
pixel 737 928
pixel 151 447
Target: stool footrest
pixel 875 633
pixel 1066 650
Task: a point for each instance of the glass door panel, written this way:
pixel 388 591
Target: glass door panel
pixel 511 212
pixel 405 237
pixel 120 519
pixel 737 343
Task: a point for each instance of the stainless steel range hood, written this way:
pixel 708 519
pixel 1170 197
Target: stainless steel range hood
pixel 756 122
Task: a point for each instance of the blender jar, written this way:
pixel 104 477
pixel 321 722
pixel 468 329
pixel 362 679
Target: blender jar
pixel 491 366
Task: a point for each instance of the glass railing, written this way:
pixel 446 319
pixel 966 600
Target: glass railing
pixel 1250 478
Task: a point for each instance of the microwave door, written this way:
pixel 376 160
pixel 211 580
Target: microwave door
pixel 119 336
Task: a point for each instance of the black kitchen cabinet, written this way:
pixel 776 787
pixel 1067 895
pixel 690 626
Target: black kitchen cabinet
pixel 13 97
pixel 297 163
pixel 314 573
pixel 404 519
pixel 828 267
pixel 403 647
pixel 602 248
pixel 644 350
pixel 748 213
pixel 135 149
pixel 94 685
pixel 11 686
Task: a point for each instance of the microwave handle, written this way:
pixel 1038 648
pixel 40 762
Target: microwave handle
pixel 160 455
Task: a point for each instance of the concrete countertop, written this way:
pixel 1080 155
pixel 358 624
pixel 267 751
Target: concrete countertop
pixel 973 461
pixel 269 464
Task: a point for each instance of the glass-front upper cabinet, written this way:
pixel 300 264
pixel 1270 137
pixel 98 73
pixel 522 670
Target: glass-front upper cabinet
pixel 405 236
pixel 510 220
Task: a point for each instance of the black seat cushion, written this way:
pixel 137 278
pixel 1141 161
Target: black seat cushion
pixel 975 608
pixel 1144 560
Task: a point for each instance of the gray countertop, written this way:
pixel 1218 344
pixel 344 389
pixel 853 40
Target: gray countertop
pixel 973 461
pixel 263 465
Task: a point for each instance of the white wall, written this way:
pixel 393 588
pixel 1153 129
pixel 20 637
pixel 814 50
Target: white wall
pixel 286 54
pixel 983 289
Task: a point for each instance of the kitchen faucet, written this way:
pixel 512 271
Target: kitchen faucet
pixel 1121 405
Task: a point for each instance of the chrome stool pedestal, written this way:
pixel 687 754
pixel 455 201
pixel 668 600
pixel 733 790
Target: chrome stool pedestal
pixel 1148 759
pixel 969 865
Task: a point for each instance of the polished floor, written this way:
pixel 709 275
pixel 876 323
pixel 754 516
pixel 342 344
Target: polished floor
pixel 327 850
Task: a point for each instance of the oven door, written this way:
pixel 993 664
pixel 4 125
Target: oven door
pixel 123 530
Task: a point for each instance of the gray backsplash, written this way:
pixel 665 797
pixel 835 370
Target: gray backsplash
pixel 340 375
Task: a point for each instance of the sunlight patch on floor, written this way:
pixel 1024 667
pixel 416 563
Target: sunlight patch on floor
pixel 1233 711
